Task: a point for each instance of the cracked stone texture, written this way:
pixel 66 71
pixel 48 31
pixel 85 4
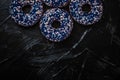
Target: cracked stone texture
pixel 90 53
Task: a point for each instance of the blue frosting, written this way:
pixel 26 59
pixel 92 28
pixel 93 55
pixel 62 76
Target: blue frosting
pixel 86 18
pixel 56 3
pixel 60 33
pixel 28 19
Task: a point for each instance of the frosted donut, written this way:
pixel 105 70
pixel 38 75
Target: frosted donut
pixel 26 19
pixel 60 33
pixel 56 3
pixel 86 12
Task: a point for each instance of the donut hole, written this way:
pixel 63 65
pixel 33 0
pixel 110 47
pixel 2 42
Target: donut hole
pixel 56 24
pixel 86 8
pixel 26 9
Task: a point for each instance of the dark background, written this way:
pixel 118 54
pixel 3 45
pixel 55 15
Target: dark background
pixel 90 53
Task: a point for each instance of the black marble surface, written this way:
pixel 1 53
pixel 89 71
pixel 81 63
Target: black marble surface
pixel 90 53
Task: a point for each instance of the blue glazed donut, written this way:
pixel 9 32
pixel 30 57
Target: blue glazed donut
pixel 83 17
pixel 56 3
pixel 60 33
pixel 26 19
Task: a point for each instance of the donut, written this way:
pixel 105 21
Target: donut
pixel 56 3
pixel 26 19
pixel 62 31
pixel 86 12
